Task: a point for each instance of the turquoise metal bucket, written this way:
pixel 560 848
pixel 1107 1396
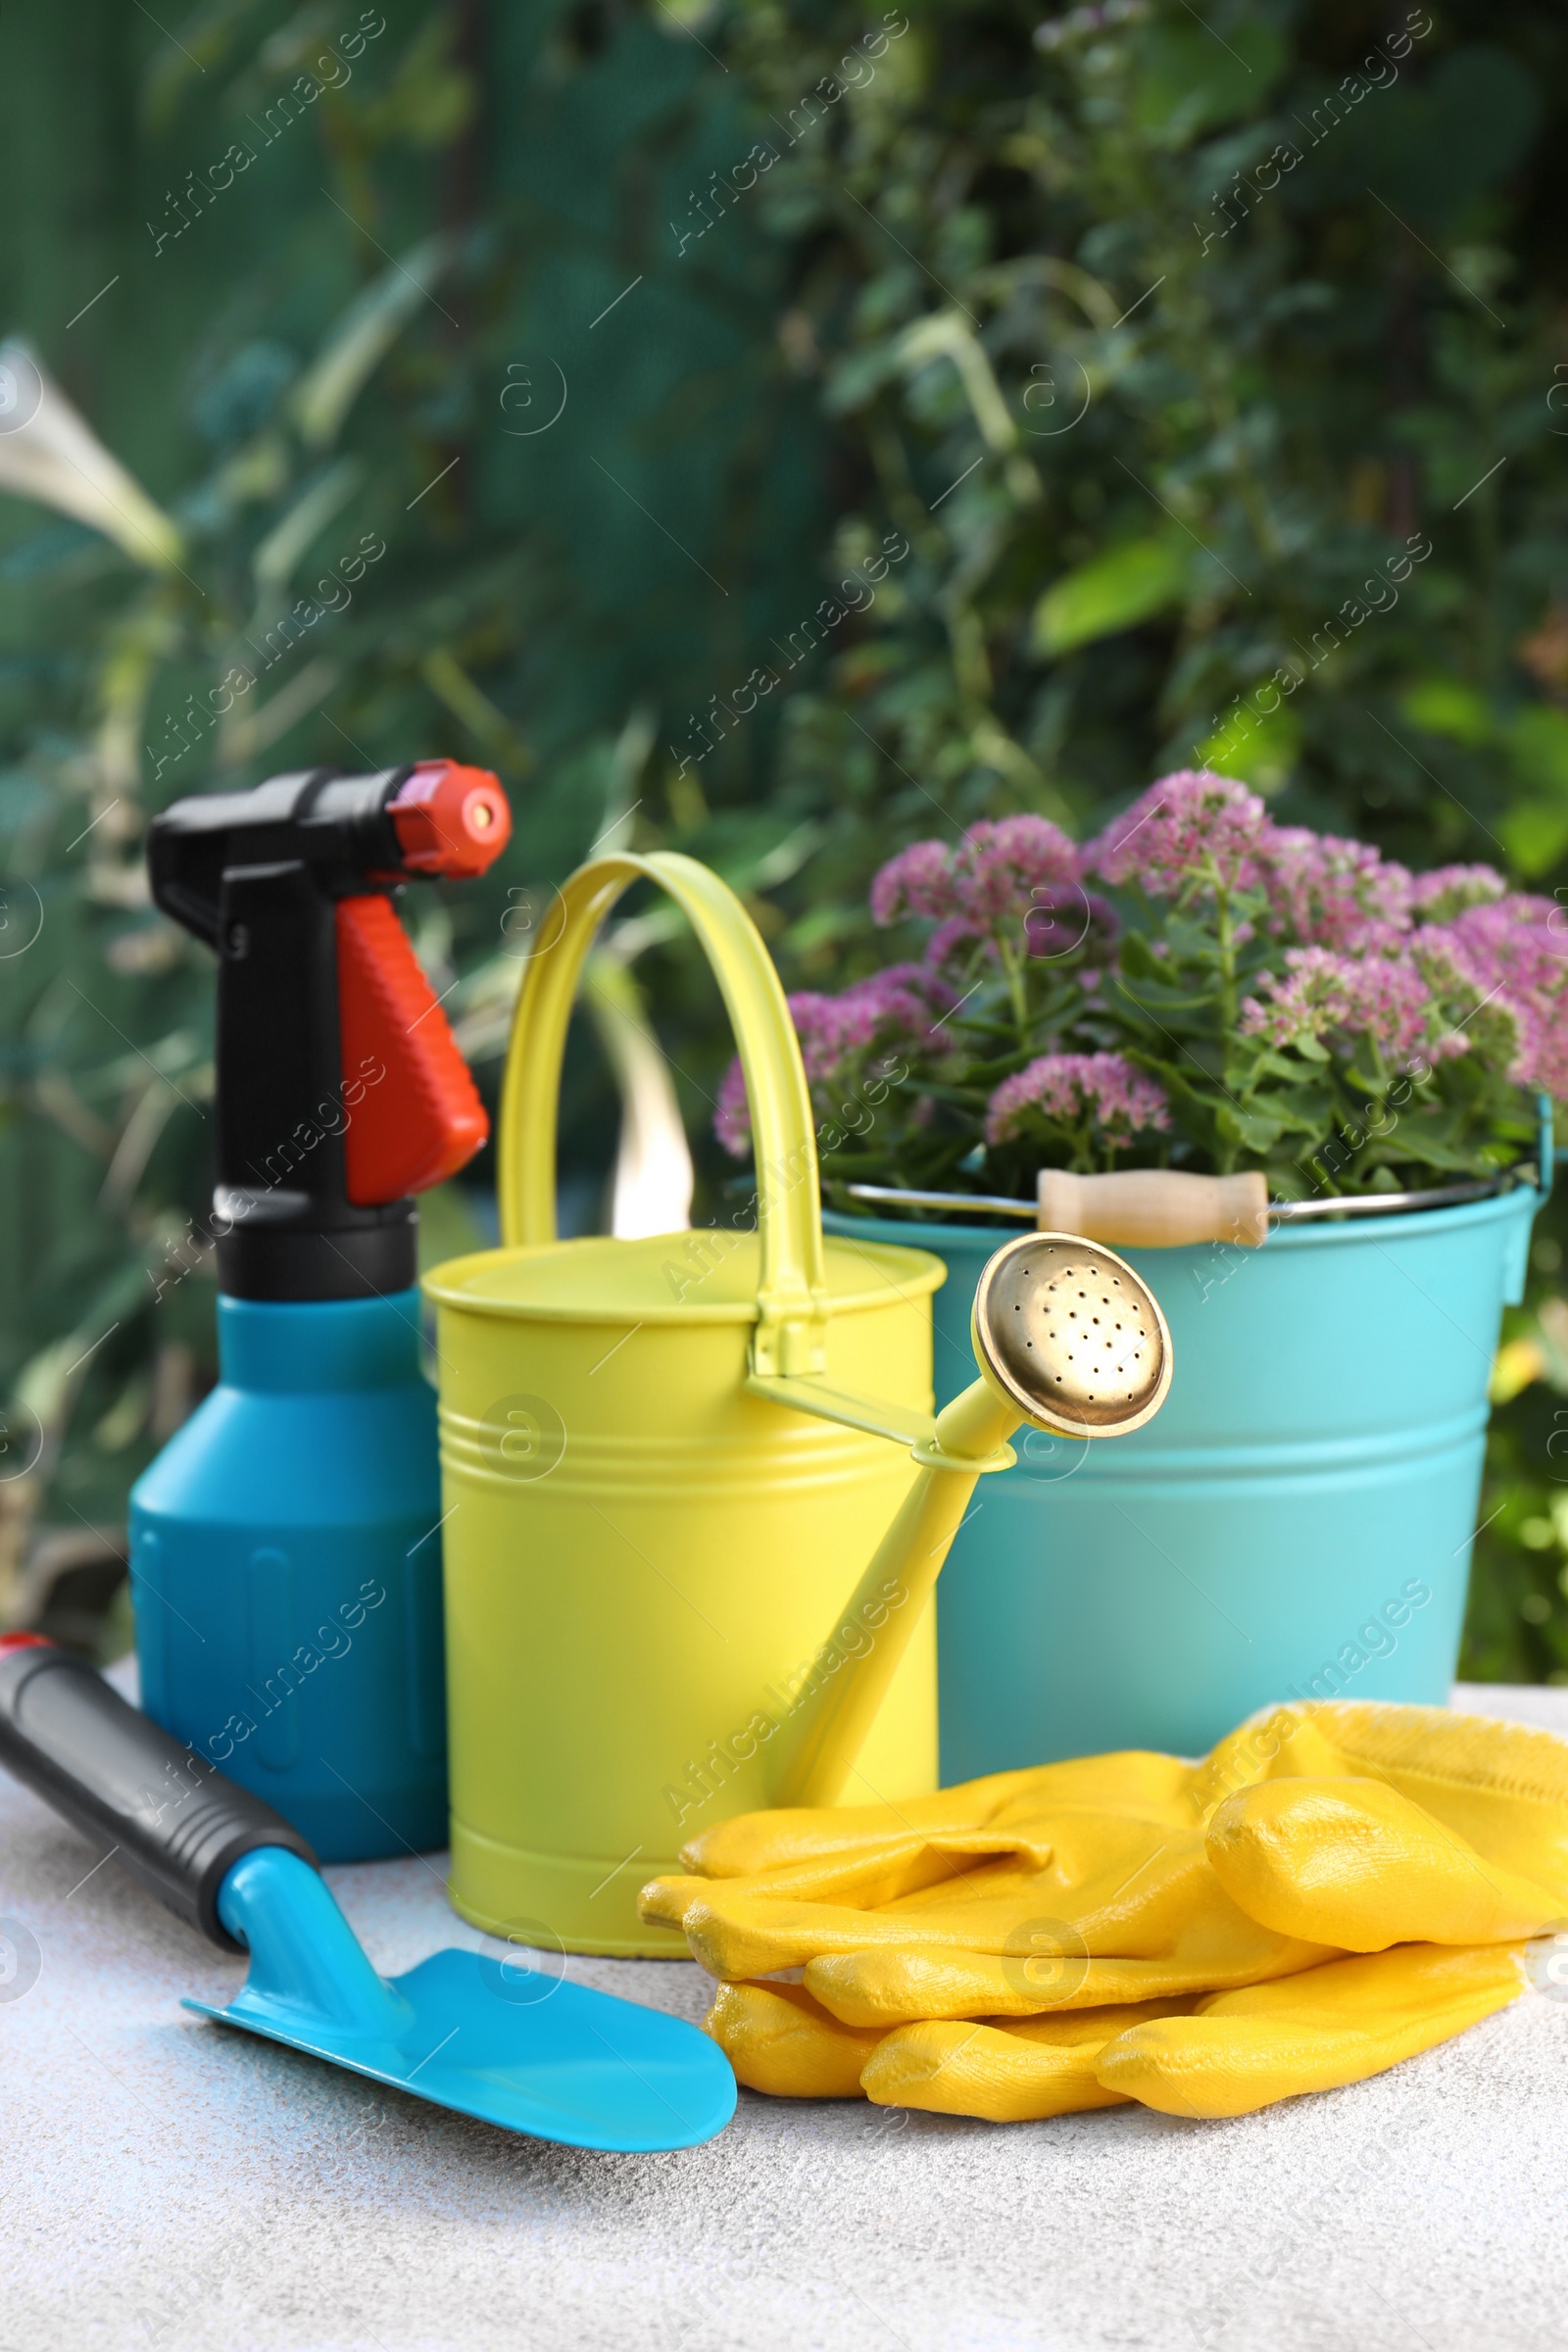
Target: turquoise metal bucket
pixel 1296 1524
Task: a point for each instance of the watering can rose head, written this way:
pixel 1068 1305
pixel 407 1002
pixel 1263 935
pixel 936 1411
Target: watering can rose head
pixel 1196 987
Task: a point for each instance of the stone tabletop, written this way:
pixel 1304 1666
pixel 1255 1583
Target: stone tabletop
pixel 171 2185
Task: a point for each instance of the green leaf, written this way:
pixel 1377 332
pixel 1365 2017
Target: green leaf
pixel 288 541
pixel 1535 830
pixel 1410 1143
pixel 1538 747
pixel 1535 835
pixel 1302 1112
pixel 1195 1110
pixel 1188 79
pixel 1264 757
pixel 1443 707
pixel 1109 593
pixel 857 380
pixel 1248 1128
pixel 1138 959
pixel 362 337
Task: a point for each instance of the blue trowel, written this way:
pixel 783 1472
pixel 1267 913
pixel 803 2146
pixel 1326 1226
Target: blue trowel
pixel 513 2045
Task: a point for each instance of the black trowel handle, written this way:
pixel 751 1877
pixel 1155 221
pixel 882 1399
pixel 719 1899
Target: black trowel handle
pixel 174 1821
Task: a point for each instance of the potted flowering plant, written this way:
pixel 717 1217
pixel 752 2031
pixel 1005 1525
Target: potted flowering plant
pixel 1200 988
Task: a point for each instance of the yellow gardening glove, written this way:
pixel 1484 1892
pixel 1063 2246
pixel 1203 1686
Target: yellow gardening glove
pixel 1219 2055
pixel 1013 2073
pixel 1375 1826
pixel 1354 1862
pixel 778 2040
pixel 1075 1885
pixel 1098 1898
pixel 1330 2024
pixel 1090 1882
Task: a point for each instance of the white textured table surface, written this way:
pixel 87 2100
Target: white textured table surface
pixel 168 2183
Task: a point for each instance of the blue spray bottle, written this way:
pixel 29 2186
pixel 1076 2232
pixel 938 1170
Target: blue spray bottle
pixel 285 1546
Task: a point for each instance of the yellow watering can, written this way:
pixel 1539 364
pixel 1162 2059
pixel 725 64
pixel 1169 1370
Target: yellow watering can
pixel 664 1459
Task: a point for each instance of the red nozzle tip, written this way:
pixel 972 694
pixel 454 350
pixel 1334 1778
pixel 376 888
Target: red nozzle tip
pixel 11 1642
pixel 450 820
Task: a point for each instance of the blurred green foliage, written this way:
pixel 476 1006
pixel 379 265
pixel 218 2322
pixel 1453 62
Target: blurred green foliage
pixel 1155 334
pixel 339 367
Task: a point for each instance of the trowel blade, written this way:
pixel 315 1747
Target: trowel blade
pixel 530 2051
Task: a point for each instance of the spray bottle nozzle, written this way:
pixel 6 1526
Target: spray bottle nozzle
pixel 340 1089
pixel 450 820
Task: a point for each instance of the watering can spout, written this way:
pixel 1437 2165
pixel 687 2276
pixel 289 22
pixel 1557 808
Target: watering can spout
pixel 1068 1340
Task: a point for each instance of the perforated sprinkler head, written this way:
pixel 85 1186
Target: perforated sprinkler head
pixel 1074 1338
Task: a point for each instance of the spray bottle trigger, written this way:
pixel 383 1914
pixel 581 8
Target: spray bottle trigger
pixel 412 1113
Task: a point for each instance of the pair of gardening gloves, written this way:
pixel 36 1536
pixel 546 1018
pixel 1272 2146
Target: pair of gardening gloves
pixel 1333 1888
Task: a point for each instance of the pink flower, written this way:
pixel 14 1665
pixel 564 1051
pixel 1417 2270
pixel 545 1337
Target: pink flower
pixel 1005 867
pixel 1513 953
pixel 1447 890
pixel 904 1002
pixel 1101 1091
pixel 989 880
pixel 894 1009
pixel 1390 1001
pixel 1335 894
pixel 830 1030
pixel 1064 920
pixel 732 1113
pixel 950 941
pixel 918 881
pixel 1190 828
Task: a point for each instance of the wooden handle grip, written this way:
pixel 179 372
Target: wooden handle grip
pixel 1155 1208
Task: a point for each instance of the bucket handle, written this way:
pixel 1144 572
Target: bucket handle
pixel 791 1298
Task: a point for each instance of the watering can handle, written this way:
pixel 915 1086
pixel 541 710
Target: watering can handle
pixel 791 1295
